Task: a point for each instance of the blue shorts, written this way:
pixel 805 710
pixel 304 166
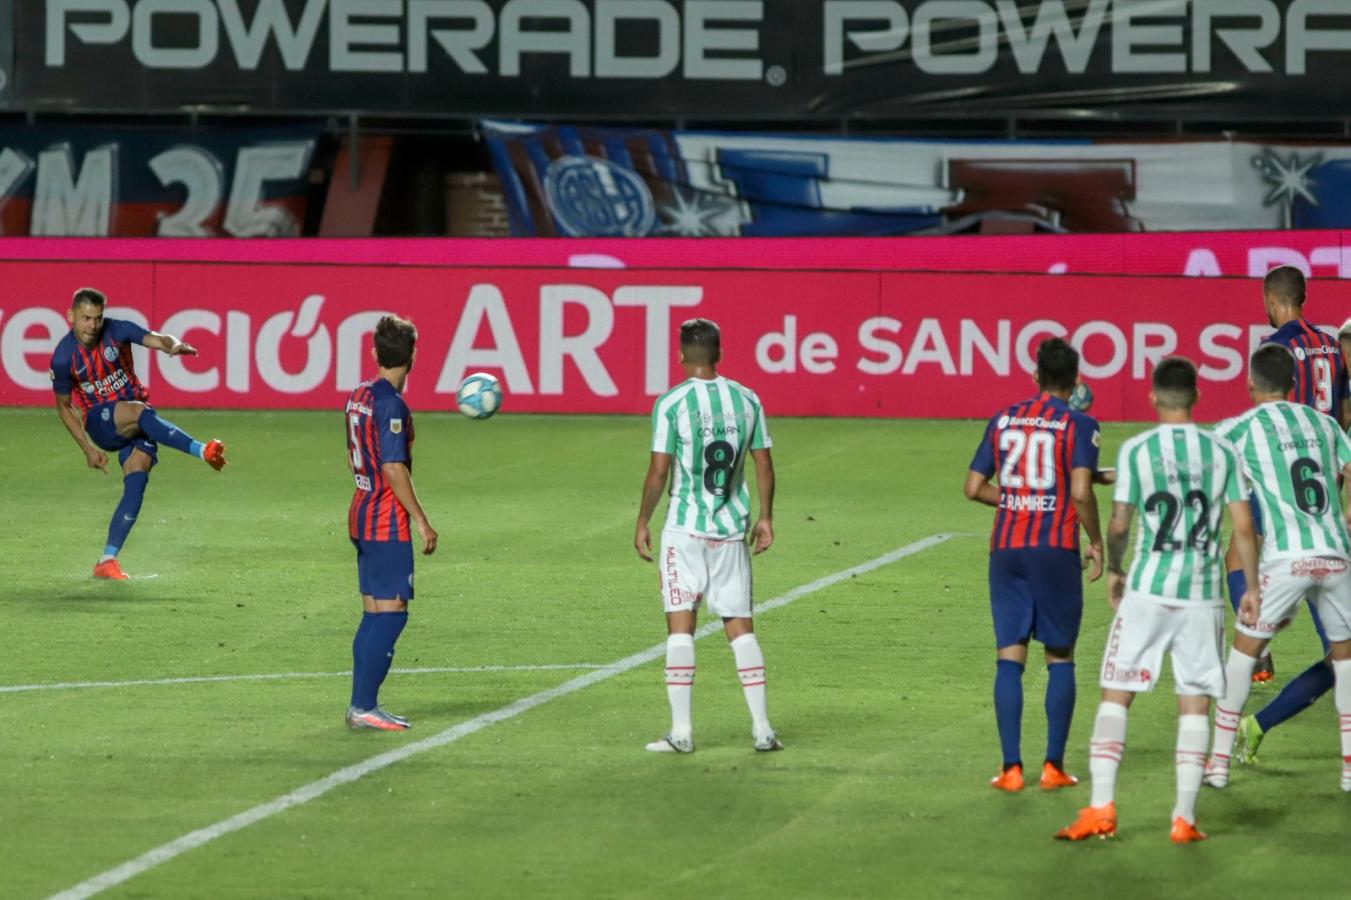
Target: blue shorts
pixel 1036 592
pixel 99 424
pixel 385 569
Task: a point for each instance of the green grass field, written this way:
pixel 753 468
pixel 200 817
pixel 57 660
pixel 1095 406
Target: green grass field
pixel 879 687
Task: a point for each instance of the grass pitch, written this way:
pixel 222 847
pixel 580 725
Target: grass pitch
pixel 879 686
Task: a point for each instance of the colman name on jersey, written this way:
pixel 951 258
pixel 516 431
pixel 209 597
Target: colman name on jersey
pixel 1168 470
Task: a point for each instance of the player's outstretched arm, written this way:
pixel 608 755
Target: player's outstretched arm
pixel 979 488
pixel 1118 537
pixel 654 485
pixel 167 343
pixel 400 481
pixel 95 457
pixel 1244 540
pixel 1086 504
pixel 762 533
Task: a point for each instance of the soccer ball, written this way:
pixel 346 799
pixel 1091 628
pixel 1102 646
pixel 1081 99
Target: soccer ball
pixel 1081 398
pixel 479 396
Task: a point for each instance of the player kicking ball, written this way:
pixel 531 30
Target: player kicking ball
pixel 104 407
pixel 1292 455
pixel 380 454
pixel 1179 478
pixel 706 426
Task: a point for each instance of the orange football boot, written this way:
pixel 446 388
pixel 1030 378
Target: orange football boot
pixel 214 454
pixel 1184 832
pixel 110 569
pixel 1053 779
pixel 1264 671
pixel 1093 821
pixel 1011 780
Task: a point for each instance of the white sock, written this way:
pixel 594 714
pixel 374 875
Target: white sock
pixel 1105 749
pixel 1238 678
pixel 750 667
pixel 1192 734
pixel 1341 669
pixel 680 681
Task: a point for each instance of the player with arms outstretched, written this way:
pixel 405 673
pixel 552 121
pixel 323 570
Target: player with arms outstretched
pixel 702 431
pixel 105 408
pixel 1046 457
pixel 1179 479
pixel 379 430
pixel 1291 456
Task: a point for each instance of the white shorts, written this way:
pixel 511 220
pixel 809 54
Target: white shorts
pixel 1325 580
pixel 696 569
pixel 1144 629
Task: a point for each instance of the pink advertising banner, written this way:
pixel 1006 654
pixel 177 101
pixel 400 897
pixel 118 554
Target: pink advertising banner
pixel 568 340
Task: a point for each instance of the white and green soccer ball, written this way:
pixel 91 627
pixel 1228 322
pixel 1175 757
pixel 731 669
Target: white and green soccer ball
pixel 479 396
pixel 1081 398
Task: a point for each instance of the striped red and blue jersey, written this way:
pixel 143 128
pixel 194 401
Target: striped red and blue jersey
pixel 103 372
pixel 1320 373
pixel 1033 446
pixel 379 430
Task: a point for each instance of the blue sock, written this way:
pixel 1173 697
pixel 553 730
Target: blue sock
pixel 1301 693
pixel 358 646
pixel 377 653
pixel 1318 625
pixel 1059 710
pixel 1008 709
pixel 1237 585
pixel 133 492
pixel 168 434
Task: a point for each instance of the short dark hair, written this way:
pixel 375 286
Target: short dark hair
pixel 1286 284
pixel 395 338
pixel 1057 365
pixel 1175 383
pixel 92 296
pixel 1272 369
pixel 700 341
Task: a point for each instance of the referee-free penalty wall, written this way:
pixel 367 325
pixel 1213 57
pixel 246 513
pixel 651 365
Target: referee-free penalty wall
pixel 817 328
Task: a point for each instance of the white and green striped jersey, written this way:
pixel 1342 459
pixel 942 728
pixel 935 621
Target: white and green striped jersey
pixel 1291 456
pixel 1178 478
pixel 708 427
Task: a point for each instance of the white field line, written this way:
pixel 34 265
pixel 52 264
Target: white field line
pixel 177 847
pixel 284 676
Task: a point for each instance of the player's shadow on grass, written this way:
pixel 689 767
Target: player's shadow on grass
pixel 92 600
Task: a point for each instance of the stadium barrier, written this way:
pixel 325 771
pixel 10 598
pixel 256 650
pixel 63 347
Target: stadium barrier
pixel 586 340
pixel 1324 254
pixel 295 333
